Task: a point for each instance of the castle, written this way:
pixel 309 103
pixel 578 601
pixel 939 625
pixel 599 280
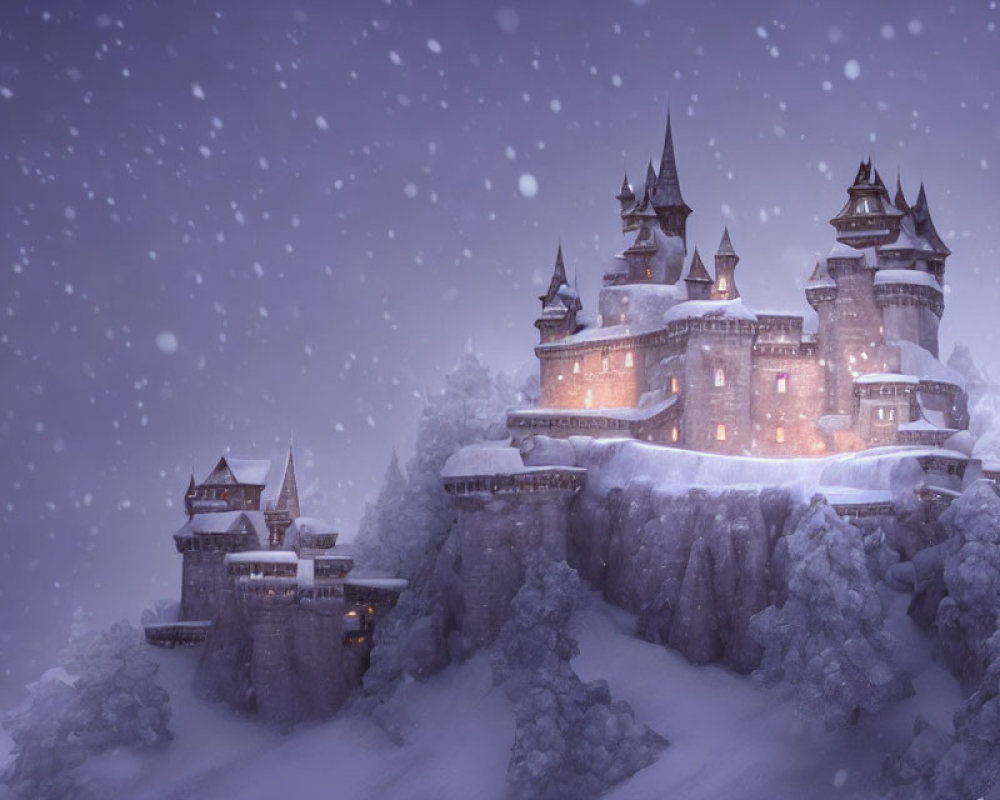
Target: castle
pixel 676 358
pixel 260 578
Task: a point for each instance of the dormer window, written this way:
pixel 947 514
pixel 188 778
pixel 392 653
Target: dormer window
pixel 720 377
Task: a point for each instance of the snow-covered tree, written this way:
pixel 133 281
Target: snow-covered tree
pixel 968 616
pixel 827 638
pixel 105 695
pixel 571 740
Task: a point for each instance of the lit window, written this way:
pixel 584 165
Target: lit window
pixel 863 207
pixel 720 377
pixel 622 318
pixel 781 383
pixel 720 433
pixel 605 364
pixel 723 285
pixel 881 413
pixel 576 367
pixel 675 434
pixel 649 273
pixel 588 398
pixel 892 414
pixel 628 360
pixel 675 385
pixel 779 435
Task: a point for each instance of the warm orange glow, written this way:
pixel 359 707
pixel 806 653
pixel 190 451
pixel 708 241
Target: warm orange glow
pixel 675 385
pixel 628 359
pixel 723 285
pixel 720 377
pixel 779 435
pixel 576 367
pixel 675 434
pixel 720 433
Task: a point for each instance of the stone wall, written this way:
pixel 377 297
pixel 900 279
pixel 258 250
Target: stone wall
pixel 707 406
pixel 784 422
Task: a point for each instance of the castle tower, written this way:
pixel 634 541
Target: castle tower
pixel 909 283
pixel 869 217
pixel 726 260
pixel 286 507
pixel 560 305
pixel 627 201
pixel 666 195
pixel 697 279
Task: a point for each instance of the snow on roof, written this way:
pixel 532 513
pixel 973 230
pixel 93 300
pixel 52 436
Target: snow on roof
pixel 249 471
pixel 841 250
pixel 313 525
pixel 887 377
pixel 484 458
pixel 924 425
pixel 222 522
pixel 913 277
pixel 908 238
pixel 607 332
pixel 710 309
pixel 262 557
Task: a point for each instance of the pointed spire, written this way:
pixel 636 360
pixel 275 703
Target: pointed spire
pixel 864 173
pixel 668 186
pixel 288 496
pixel 878 178
pixel 625 194
pixel 726 245
pixel 900 199
pixel 697 272
pixel 558 279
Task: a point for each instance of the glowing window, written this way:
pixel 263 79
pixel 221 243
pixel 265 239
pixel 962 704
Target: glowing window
pixel 588 398
pixel 781 383
pixel 779 435
pixel 720 377
pixel 605 364
pixel 892 414
pixel 576 367
pixel 863 206
pixel 628 360
pixel 675 385
pixel 649 273
pixel 881 413
pixel 720 433
pixel 723 284
pixel 675 434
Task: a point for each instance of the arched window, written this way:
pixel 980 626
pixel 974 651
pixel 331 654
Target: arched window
pixel 576 367
pixel 628 360
pixel 720 377
pixel 723 284
pixel 675 434
pixel 720 433
pixel 781 383
pixel 588 398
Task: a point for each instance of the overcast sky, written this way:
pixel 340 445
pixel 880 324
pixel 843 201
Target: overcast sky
pixel 224 222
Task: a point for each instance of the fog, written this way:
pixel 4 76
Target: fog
pixel 223 225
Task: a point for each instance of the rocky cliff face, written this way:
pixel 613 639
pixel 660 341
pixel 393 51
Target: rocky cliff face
pixel 695 565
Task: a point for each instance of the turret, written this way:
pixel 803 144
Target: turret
pixel 697 279
pixel 725 268
pixel 560 305
pixel 627 202
pixel 869 217
pixel 189 497
pixel 667 199
pixel 285 509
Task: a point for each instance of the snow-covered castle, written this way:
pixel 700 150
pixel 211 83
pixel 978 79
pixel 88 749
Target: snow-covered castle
pixel 676 358
pixel 260 579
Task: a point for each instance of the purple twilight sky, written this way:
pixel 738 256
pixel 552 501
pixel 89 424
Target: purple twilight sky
pixel 223 222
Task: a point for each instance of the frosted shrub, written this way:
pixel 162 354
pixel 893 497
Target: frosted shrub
pixel 828 638
pixel 104 696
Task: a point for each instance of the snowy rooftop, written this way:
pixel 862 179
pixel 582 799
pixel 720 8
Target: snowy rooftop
pixel 710 309
pixel 887 377
pixel 914 277
pixel 629 413
pixel 249 471
pixel 313 525
pixel 262 557
pixel 487 458
pixel 397 584
pixel 221 522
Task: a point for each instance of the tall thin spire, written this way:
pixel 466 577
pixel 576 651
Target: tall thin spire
pixel 900 199
pixel 726 245
pixel 558 279
pixel 668 186
pixel 288 496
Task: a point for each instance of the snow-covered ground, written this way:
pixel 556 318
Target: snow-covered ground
pixel 730 737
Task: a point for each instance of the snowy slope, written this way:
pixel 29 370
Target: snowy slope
pixel 730 737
